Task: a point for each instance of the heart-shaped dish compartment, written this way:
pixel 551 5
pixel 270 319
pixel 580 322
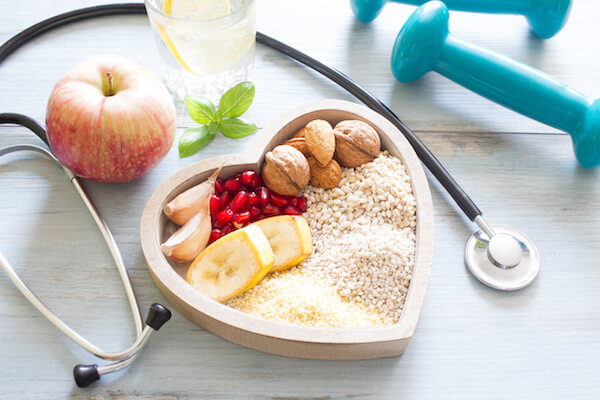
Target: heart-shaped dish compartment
pixel 276 337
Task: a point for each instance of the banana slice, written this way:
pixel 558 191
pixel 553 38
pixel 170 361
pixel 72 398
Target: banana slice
pixel 290 239
pixel 232 264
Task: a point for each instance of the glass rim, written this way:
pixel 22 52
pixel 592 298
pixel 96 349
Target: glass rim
pixel 148 3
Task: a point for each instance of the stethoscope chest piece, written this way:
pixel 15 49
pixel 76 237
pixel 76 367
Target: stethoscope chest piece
pixel 509 260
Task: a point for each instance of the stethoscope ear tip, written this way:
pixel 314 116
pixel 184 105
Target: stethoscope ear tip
pixel 157 316
pixel 85 374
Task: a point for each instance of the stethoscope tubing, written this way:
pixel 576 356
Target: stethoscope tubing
pixel 461 198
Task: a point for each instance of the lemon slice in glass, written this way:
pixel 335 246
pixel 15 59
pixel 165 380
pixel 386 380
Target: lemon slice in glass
pixel 197 9
pixel 201 41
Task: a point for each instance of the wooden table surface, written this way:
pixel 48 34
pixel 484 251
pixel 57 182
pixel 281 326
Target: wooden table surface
pixel 472 342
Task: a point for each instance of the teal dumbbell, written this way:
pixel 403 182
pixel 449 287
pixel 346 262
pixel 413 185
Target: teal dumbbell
pixel 546 17
pixel 424 44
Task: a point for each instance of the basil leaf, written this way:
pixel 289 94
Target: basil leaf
pixel 237 128
pixel 236 100
pixel 201 109
pixel 218 116
pixel 193 139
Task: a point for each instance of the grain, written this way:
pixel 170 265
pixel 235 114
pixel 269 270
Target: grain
pixel 364 246
pixel 298 296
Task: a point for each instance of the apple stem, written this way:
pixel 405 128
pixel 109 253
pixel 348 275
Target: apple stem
pixel 107 88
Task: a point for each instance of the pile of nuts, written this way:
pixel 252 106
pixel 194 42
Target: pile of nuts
pixel 314 154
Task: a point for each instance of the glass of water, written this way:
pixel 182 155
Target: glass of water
pixel 206 46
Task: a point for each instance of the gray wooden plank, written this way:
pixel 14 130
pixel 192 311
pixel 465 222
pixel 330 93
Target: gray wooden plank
pixel 472 342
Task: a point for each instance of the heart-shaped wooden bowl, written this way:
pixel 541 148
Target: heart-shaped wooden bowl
pixel 276 337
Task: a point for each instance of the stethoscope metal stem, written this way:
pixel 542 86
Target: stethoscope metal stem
pixel 115 252
pixel 114 249
pixel 73 335
pixel 156 318
pixel 484 226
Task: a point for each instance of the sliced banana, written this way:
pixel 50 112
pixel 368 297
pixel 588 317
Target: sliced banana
pixel 232 264
pixel 290 239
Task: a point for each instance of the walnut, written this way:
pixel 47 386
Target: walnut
pixel 299 144
pixel 285 170
pixel 326 177
pixel 356 143
pixel 320 140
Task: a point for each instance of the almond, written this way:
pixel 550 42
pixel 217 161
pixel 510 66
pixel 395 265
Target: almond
pixel 299 144
pixel 326 177
pixel 299 134
pixel 320 140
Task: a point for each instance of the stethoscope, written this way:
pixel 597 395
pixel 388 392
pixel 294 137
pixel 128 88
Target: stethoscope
pixel 500 257
pixel 157 316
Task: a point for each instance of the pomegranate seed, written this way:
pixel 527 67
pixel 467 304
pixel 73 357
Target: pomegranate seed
pixel 214 235
pixel 225 198
pixel 278 200
pixel 270 210
pixel 263 196
pixel 292 201
pixel 255 212
pixel 289 210
pixel 246 177
pixel 302 204
pixel 215 204
pixel 228 228
pixel 240 201
pixel 240 219
pixel 232 184
pixel 224 216
pixel 256 182
pixel 219 186
pixel 252 199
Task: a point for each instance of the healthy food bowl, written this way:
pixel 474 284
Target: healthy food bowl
pixel 282 338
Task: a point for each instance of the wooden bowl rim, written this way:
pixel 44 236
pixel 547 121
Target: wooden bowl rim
pixel 182 291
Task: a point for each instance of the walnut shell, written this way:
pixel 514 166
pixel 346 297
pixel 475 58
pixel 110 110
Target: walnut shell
pixel 286 170
pixel 320 140
pixel 299 144
pixel 326 177
pixel 356 143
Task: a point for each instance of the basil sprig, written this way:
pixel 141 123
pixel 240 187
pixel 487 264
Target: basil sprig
pixel 233 104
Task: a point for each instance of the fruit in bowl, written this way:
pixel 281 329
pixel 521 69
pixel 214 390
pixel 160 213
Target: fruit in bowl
pixel 239 260
pixel 221 207
pixel 322 293
pixel 110 119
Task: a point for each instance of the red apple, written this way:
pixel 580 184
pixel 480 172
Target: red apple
pixel 110 119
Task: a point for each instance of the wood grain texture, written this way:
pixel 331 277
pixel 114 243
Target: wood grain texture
pixel 471 342
pixel 271 336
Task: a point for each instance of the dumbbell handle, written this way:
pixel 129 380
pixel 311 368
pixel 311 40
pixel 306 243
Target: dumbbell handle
pixel 512 84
